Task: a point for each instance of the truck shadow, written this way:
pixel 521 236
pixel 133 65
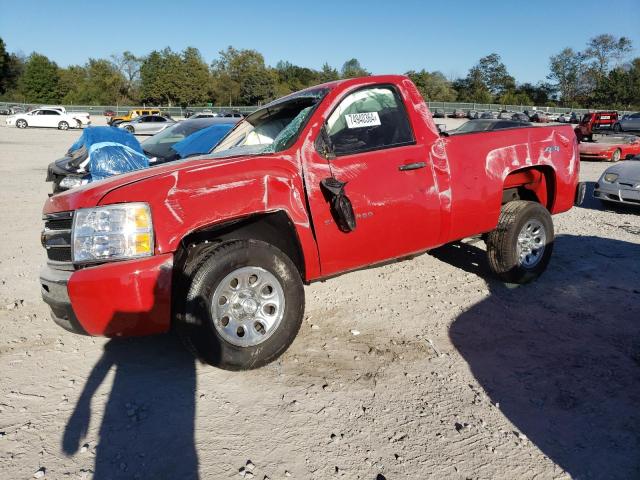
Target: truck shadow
pixel 561 356
pixel 147 428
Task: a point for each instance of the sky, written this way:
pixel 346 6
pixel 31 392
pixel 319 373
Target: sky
pixel 387 37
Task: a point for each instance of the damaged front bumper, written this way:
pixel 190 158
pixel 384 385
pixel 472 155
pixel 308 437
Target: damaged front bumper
pixel 128 298
pixel 53 286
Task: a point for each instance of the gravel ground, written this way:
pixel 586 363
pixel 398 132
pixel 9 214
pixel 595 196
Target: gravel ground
pixel 426 368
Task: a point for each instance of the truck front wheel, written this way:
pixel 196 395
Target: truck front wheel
pixel 243 307
pixel 520 248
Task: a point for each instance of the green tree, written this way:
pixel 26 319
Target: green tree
pixel 327 74
pixel 195 87
pixel 240 77
pixel 568 72
pixel 39 82
pixel 129 66
pixel 513 97
pixel 4 67
pixel 71 81
pixel 540 94
pixel 494 74
pixel 620 88
pixel 473 88
pixel 161 74
pixel 292 78
pixel 352 69
pixel 433 86
pixel 11 67
pixel 605 49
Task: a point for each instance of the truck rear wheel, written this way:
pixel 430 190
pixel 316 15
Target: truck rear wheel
pixel 243 307
pixel 520 248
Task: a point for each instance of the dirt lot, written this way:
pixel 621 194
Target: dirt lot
pixel 452 374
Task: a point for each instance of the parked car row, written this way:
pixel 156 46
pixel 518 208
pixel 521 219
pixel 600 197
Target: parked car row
pixel 53 117
pixel 537 116
pixel 12 110
pixel 628 123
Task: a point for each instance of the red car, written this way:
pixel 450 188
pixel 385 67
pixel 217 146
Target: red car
pixel 592 122
pixel 331 179
pixel 611 148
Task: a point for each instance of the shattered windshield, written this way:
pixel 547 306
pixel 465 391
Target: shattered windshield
pixel 273 128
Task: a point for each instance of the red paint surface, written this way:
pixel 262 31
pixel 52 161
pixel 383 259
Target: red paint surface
pixel 123 298
pixel 458 194
pixel 604 151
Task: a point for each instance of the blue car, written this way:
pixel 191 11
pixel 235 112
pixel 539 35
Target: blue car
pixel 186 139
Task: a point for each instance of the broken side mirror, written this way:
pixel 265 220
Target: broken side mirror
pixel 339 203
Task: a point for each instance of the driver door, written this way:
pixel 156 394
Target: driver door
pixel 389 183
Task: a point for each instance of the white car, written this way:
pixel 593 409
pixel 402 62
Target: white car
pixel 44 117
pixel 83 117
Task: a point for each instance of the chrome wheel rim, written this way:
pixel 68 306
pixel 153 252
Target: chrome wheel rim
pixel 247 306
pixel 531 243
pixel 616 156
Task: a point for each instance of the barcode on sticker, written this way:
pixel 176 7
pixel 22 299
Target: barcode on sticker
pixel 358 120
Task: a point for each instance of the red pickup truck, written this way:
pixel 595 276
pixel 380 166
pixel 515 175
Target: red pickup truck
pixel 330 179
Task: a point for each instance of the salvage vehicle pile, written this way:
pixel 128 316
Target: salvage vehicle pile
pixel 272 244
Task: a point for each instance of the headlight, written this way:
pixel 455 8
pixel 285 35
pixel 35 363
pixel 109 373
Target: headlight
pixel 72 182
pixel 114 232
pixel 610 177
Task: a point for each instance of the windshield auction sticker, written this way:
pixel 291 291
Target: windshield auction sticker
pixel 359 120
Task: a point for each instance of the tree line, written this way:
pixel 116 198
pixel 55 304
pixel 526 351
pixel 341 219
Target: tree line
pixel 601 76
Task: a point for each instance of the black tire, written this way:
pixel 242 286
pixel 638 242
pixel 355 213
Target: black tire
pixel 130 129
pixel 617 128
pixel 63 125
pixel 502 243
pixel 194 320
pixel 21 123
pixel 78 124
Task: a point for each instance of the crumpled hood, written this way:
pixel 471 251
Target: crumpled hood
pixel 91 194
pixel 627 170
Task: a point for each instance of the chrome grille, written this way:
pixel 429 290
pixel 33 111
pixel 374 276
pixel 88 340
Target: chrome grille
pixel 56 236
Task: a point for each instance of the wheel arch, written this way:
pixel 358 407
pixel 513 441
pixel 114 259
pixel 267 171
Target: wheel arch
pixel 275 228
pixel 535 183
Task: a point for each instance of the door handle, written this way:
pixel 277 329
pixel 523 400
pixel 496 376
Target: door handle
pixel 412 166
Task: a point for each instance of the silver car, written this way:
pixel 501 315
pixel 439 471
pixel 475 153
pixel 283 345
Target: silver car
pixel 147 124
pixel 620 183
pixel 628 123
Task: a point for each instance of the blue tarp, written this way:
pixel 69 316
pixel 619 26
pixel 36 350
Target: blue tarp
pixel 109 158
pixel 92 135
pixel 203 140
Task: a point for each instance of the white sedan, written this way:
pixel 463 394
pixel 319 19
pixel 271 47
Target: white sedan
pixel 43 117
